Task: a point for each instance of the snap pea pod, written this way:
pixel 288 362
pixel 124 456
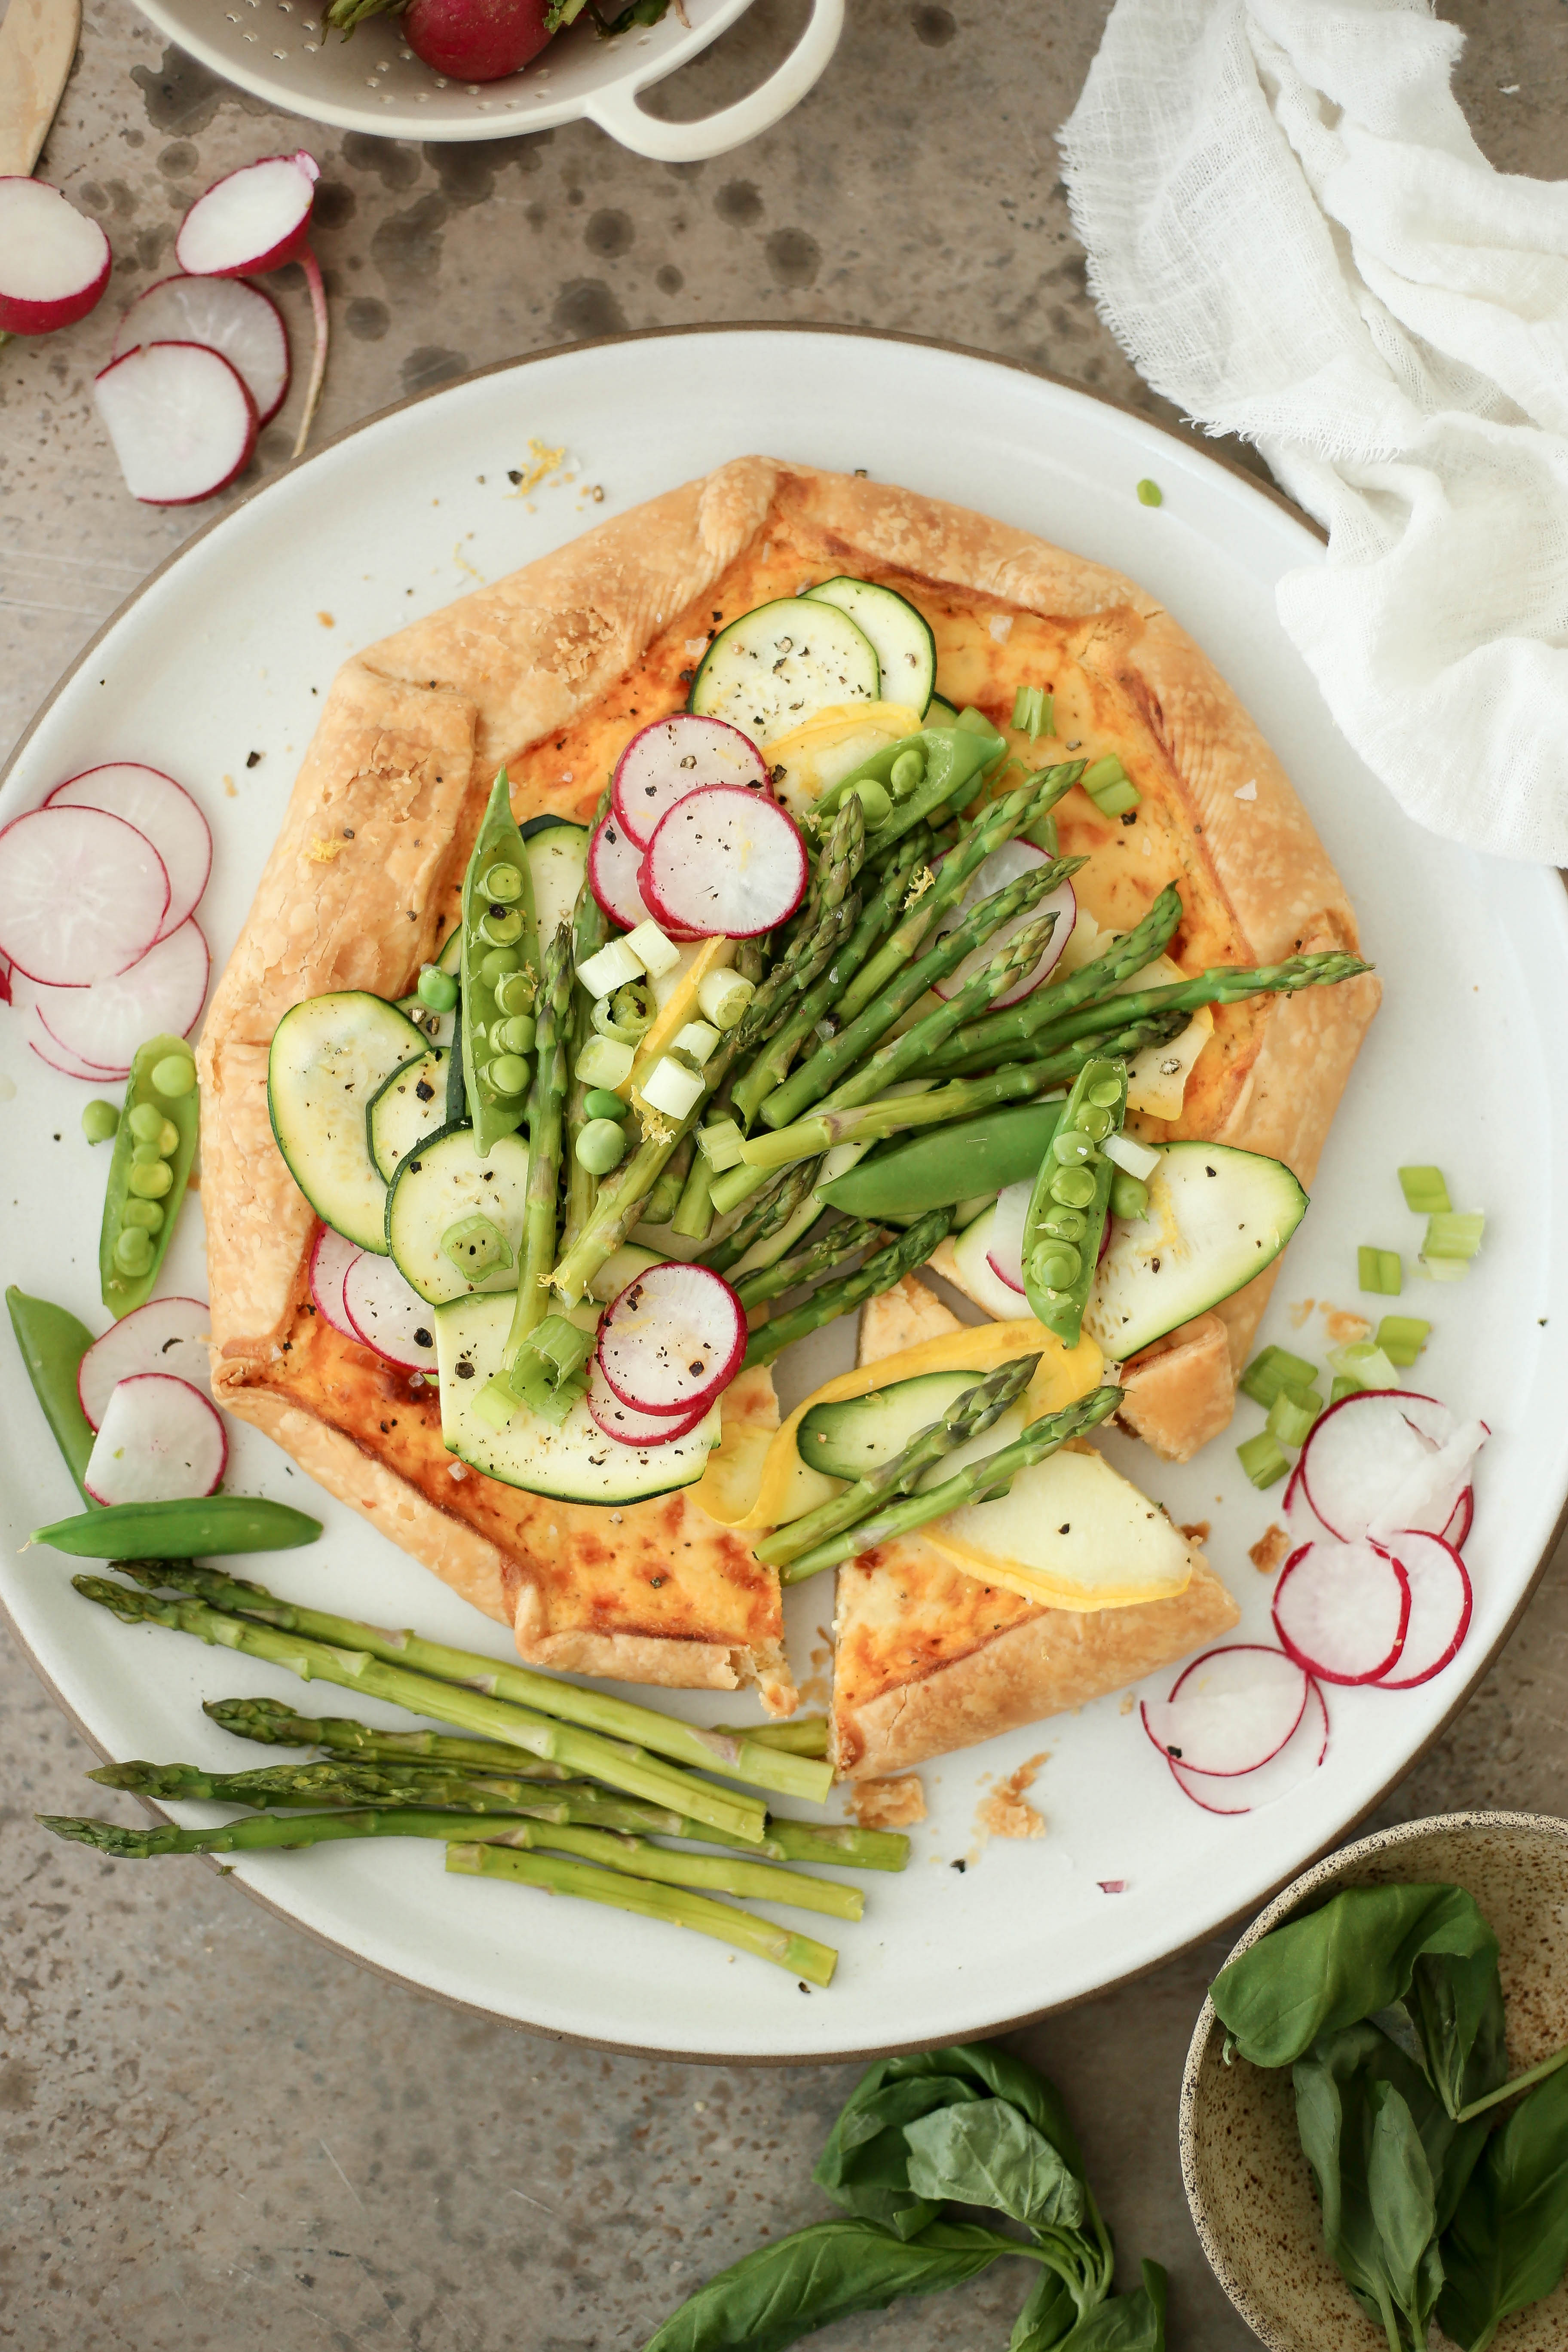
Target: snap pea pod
pixel 149 1167
pixel 840 1242
pixel 500 969
pixel 834 1298
pixel 955 760
pixel 983 1482
pixel 997 1037
pixel 197 1526
pixel 589 931
pixel 52 1344
pixel 1067 1208
pixel 954 1163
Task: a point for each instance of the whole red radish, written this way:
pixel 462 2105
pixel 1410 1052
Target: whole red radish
pixel 254 220
pixel 475 40
pixel 54 261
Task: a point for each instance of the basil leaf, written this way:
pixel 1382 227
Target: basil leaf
pixel 987 2155
pixel 1128 2323
pixel 1047 2318
pixel 1508 2243
pixel 1404 2209
pixel 1330 2141
pixel 1456 2001
pixel 865 2165
pixel 1355 1956
pixel 831 2270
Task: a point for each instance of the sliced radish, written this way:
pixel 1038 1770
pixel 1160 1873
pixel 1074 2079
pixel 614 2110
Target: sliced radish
pixel 24 997
pixel 724 861
pixel 226 315
pixel 83 896
pixel 673 757
pixel 167 1335
pixel 54 261
pixel 1461 1520
pixel 1004 1255
pixel 672 1339
pixel 163 812
pixel 180 420
pixel 329 1261
pixel 1341 1609
pixel 1004 865
pixel 1361 1450
pixel 1244 1793
pixel 1230 1710
pixel 1428 1496
pixel 161 995
pixel 1440 1604
pixel 159 1442
pixel 630 1428
pixel 613 859
pixel 254 220
pixel 388 1314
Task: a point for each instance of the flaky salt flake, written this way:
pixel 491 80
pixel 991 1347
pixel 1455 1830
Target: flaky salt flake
pixel 1247 791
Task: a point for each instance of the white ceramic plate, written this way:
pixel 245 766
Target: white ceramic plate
pixel 226 653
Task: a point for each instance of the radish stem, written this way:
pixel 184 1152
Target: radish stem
pixel 312 270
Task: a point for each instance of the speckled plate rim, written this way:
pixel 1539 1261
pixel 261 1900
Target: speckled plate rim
pixel 1283 1890
pixel 1325 1871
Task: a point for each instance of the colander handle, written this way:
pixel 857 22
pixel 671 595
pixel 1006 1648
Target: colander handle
pixel 616 111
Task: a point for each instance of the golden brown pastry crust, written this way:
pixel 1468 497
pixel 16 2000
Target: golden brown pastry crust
pixel 548 671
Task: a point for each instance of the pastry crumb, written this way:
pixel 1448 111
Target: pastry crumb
pixel 326 620
pixel 1268 1552
pixel 1128 1704
pixel 322 852
pixel 889 1805
pixel 1198 1532
pixel 1300 1311
pixel 1005 1814
pixel 1343 1325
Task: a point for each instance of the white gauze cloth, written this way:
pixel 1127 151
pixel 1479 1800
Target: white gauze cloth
pixel 1294 235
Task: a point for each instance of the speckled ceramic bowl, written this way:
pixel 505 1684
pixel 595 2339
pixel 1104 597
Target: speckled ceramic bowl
pixel 1247 2180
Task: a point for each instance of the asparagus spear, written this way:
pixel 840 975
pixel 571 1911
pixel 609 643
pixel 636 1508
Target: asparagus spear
pixel 800 1954
pixel 820 1256
pixel 592 1710
pixel 345 1780
pixel 960 1099
pixel 969 1415
pixel 613 1761
pixel 812 1079
pixel 589 931
pixel 276 1725
pixel 669 1184
pixel 545 1105
pixel 803 1735
pixel 996 823
pixel 980 1483
pixel 782 1196
pixel 834 1298
pixel 987 1040
pixel 693 1219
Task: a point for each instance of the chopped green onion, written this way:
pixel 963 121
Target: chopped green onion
pixel 605 1062
pixel 672 1089
pixel 1365 1362
pixel 496 1402
pixel 562 1346
pixel 723 996
pixel 1293 1414
pixel 1343 1388
pixel 720 1145
pixel 1110 786
pixel 1120 800
pixel 612 967
pixel 1444 1269
pixel 1042 833
pixel 1274 1370
pixel 1379 1270
pixel 1454 1232
pixel 655 952
pixel 1402 1339
pixel 1261 1459
pixel 1033 711
pixel 1424 1191
pixel 1150 494
pixel 697 1042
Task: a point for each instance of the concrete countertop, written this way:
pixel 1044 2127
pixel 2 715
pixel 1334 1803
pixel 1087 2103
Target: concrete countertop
pixel 217 2134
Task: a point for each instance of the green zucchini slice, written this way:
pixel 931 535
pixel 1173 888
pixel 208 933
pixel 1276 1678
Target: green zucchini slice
pixel 1217 1217
pixel 774 668
pixel 454 1215
pixel 329 1056
pixel 900 636
pixel 407 1107
pixel 846 1439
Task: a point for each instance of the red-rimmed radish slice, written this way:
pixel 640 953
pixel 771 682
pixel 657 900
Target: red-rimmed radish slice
pixel 163 812
pixel 672 757
pixel 1341 1609
pixel 180 420
pixel 167 1335
pixel 83 896
pixel 1006 1253
pixel 672 1339
pixel 630 1428
pixel 24 998
pixel 1004 865
pixel 159 1442
pixel 161 995
pixel 1440 1604
pixel 54 261
pixel 613 859
pixel 1230 1710
pixel 725 862
pixel 254 220
pixel 1362 1450
pixel 329 1261
pixel 226 315
pixel 1428 1496
pixel 1244 1793
pixel 1461 1519
pixel 388 1314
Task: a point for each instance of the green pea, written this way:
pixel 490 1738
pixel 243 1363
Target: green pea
pixel 600 1103
pixel 145 1213
pixel 151 1184
pixel 1073 1187
pixel 908 771
pixel 507 1074
pixel 1105 1094
pixel 145 1155
pixel 1071 1147
pixel 1095 1122
pixel 601 1146
pixel 515 989
pixel 515 1036
pixel 1129 1196
pixel 876 806
pixel 174 1075
pixel 1064 1226
pixel 146 1122
pixel 133 1250
pixel 99 1121
pixel 496 967
pixel 501 926
pixel 503 881
pixel 437 989
pixel 1055 1265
